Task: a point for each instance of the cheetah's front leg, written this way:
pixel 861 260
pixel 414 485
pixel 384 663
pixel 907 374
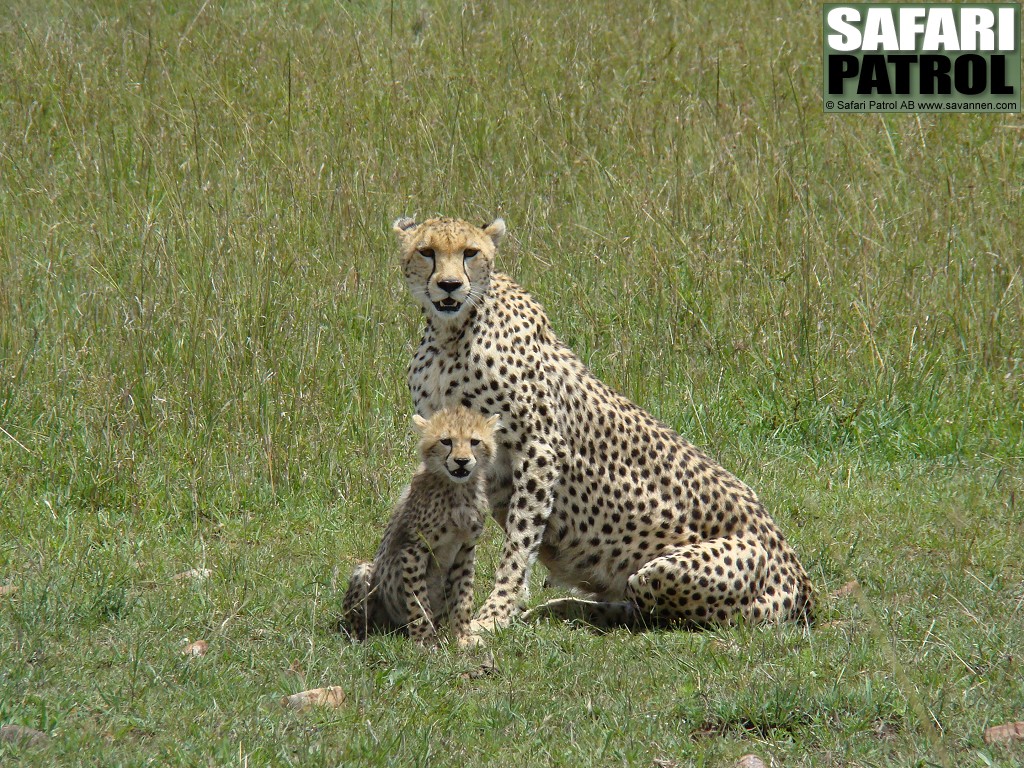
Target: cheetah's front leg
pixel 533 478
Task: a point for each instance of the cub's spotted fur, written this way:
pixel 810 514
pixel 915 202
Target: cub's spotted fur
pixel 612 501
pixel 422 574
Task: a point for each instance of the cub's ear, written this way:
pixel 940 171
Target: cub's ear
pixel 419 422
pixel 495 230
pixel 403 225
pixel 494 422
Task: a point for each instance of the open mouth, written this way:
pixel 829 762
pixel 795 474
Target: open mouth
pixel 460 473
pixel 447 304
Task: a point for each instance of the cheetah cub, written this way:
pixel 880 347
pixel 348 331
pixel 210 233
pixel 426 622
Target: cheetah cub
pixel 422 574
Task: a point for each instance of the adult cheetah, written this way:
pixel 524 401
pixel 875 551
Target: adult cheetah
pixel 422 573
pixel 613 502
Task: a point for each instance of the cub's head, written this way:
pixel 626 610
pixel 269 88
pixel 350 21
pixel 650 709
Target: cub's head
pixel 457 443
pixel 447 263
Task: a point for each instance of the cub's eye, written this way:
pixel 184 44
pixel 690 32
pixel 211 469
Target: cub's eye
pixel 426 253
pixel 446 442
pixel 469 253
pixel 474 442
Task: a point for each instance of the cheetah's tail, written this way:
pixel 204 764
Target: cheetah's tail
pixel 355 608
pixel 601 615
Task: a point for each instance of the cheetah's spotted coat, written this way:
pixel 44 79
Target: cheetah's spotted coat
pixel 612 501
pixel 422 574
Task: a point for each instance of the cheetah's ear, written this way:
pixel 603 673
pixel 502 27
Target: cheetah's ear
pixel 403 225
pixel 495 230
pixel 494 422
pixel 419 422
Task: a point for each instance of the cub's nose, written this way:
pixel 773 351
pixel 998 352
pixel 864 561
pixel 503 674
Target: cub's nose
pixel 462 462
pixel 449 285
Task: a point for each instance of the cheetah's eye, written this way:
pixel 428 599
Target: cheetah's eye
pixel 426 253
pixel 474 442
pixel 446 442
pixel 469 253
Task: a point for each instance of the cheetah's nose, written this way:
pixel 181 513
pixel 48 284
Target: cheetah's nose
pixel 449 285
pixel 462 462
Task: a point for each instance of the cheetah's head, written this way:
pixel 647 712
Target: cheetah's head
pixel 447 263
pixel 457 443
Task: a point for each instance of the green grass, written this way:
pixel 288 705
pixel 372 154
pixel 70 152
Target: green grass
pixel 204 334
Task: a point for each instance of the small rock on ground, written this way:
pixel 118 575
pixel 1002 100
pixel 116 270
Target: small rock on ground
pixel 196 649
pixel 331 697
pixel 1004 734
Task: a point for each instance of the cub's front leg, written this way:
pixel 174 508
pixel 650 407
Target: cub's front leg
pixel 460 590
pixel 415 560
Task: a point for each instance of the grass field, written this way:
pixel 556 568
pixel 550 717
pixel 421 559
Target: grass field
pixel 204 334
